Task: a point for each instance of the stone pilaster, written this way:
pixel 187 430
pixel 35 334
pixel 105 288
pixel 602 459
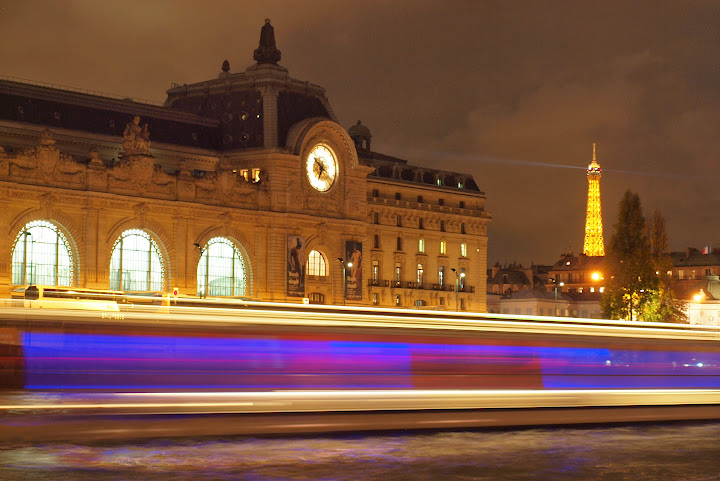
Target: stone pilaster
pixel 270 116
pixel 5 247
pixel 91 254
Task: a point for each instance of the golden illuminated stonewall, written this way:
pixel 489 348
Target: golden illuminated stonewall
pixel 594 244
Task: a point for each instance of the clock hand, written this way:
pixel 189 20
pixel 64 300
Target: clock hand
pixel 321 168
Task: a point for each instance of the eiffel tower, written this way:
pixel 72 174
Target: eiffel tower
pixel 594 244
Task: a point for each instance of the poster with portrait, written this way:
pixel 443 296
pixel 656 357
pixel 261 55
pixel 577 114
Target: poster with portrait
pixel 296 266
pixel 353 270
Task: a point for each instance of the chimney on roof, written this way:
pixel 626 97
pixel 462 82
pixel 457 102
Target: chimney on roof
pixel 690 251
pixel 529 274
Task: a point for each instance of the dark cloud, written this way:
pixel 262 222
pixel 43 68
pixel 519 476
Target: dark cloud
pixel 513 92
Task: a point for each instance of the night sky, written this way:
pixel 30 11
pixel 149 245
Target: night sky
pixel 513 92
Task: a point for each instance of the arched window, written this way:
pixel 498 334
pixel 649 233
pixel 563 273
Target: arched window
pixel 221 270
pixel 443 247
pixel 316 265
pixel 136 263
pixel 316 298
pixel 421 246
pixel 42 255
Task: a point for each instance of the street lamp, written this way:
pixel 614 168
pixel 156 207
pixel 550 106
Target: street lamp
pixel 344 276
pixel 457 279
pixel 556 286
pixel 28 279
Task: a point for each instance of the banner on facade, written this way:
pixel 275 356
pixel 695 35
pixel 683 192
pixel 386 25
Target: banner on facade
pixel 296 266
pixel 353 270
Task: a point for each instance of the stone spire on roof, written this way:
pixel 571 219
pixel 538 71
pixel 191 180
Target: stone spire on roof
pixel 267 52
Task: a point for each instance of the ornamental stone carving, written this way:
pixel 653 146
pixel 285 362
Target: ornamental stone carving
pixel 45 162
pixel 47 201
pixel 4 164
pixel 141 212
pixel 224 186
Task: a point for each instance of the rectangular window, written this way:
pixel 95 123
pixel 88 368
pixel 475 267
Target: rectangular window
pixel 442 226
pixel 398 273
pixel 376 241
pixel 244 174
pixel 376 218
pixel 421 224
pixel 442 301
pixel 398 196
pixel 256 175
pixel 421 246
pixel 462 228
pixel 441 275
pixel 461 280
pixel 462 304
pixel 420 274
pixel 398 300
pixel 420 199
pixel 399 243
pixel 463 250
pixel 443 248
pixel 441 201
pixel 375 299
pixel 462 204
pixel 375 270
pixel 376 193
pixel 399 221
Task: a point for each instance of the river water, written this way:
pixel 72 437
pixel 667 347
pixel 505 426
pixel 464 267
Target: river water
pixel 689 452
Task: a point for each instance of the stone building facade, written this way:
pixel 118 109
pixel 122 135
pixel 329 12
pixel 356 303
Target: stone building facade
pixel 241 185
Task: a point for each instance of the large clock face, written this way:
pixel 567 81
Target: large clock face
pixel 321 168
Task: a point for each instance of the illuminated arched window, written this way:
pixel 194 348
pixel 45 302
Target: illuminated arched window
pixel 316 264
pixel 421 246
pixel 136 263
pixel 41 255
pixel 443 247
pixel 463 250
pixel 221 270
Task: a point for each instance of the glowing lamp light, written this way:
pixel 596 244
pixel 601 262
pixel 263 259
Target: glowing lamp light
pixel 349 264
pixel 595 276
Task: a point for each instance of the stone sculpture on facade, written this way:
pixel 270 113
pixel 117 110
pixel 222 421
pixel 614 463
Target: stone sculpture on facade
pixel 136 139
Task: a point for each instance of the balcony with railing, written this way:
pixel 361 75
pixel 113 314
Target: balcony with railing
pixel 419 285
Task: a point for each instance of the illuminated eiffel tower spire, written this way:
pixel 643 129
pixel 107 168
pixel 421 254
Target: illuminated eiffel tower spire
pixel 594 244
